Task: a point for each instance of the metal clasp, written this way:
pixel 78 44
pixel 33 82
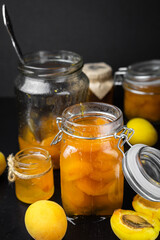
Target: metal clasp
pixel 59 135
pixel 124 137
pixel 119 76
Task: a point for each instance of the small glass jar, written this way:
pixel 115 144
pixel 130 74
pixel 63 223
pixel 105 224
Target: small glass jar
pixel 32 171
pixel 90 161
pixel 47 84
pixel 141 84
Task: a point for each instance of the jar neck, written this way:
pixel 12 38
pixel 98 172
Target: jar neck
pixel 30 159
pixel 142 89
pixel 92 120
pixel 45 64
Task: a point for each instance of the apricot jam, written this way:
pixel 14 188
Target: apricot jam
pixel 34 178
pixel 141 84
pixel 90 162
pixel 47 132
pixel 144 105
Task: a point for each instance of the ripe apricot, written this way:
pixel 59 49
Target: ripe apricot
pixel 145 206
pixel 46 220
pixel 92 187
pixel 2 163
pixel 54 150
pixel 72 166
pixel 145 132
pixel 74 200
pixel 127 224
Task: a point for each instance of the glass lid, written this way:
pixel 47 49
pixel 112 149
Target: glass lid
pixel 141 167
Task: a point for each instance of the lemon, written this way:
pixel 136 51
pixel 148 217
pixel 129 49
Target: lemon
pixel 2 163
pixel 46 220
pixel 145 132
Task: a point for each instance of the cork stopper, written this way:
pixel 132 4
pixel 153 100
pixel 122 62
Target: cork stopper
pixel 97 71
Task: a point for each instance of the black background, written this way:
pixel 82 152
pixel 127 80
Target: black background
pixel 119 32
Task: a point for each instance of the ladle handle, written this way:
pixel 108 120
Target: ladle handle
pixel 8 25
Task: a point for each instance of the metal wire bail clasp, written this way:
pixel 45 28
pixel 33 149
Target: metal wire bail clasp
pixel 119 76
pixel 124 135
pixel 59 135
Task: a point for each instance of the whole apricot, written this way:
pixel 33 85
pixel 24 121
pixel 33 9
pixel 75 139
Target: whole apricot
pixel 2 163
pixel 46 220
pixel 145 132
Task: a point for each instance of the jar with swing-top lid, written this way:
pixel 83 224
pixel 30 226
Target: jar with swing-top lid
pixel 93 163
pixel 90 162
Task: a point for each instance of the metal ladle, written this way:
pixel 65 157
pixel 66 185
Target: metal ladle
pixel 32 121
pixel 8 25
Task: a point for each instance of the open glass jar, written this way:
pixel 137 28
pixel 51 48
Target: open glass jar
pixel 141 83
pixel 90 161
pixel 32 171
pixel 93 163
pixel 47 84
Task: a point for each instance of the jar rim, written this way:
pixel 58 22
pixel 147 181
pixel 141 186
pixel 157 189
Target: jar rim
pixel 107 129
pixel 50 63
pixel 31 150
pixel 146 73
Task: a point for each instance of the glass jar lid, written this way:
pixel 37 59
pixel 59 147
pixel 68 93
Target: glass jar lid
pixel 141 167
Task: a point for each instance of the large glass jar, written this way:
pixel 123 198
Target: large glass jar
pixel 47 84
pixel 90 161
pixel 141 84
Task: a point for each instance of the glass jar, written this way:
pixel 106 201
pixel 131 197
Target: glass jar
pixel 90 161
pixel 47 84
pixel 141 84
pixel 32 171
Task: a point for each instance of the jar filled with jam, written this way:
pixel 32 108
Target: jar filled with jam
pixel 90 161
pixel 32 171
pixel 47 84
pixel 141 84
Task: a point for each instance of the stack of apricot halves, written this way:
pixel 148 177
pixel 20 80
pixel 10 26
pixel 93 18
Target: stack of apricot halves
pixel 141 224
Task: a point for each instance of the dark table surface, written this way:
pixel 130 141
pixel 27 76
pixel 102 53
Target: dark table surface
pixel 12 211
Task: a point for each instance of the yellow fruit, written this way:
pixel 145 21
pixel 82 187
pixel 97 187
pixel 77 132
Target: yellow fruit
pixel 145 132
pixel 2 163
pixel 131 225
pixel 46 220
pixel 145 206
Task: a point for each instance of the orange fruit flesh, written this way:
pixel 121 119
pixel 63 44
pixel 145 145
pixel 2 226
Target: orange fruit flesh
pixel 91 172
pixel 48 131
pixel 145 106
pixel 128 224
pixel 36 188
pixel 146 206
